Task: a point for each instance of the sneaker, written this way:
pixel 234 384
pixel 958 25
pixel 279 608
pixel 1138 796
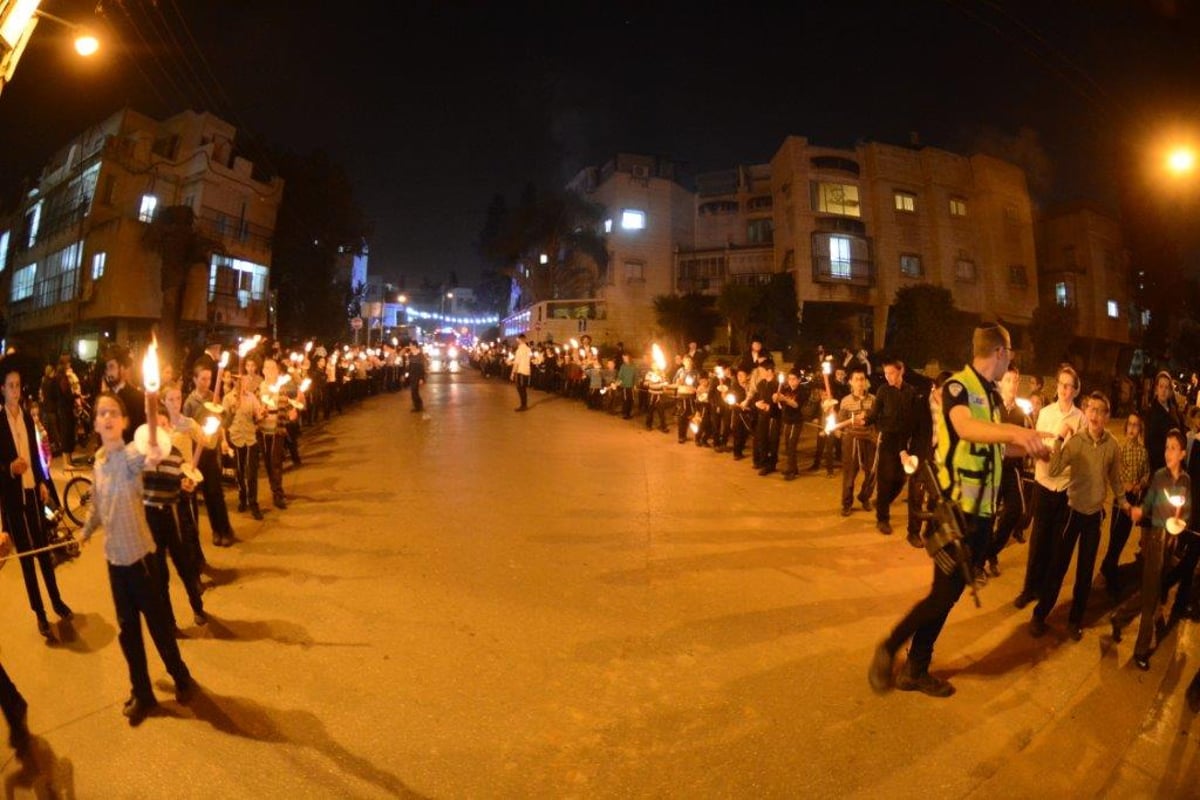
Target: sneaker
pixel 925 683
pixel 1037 627
pixel 884 527
pixel 880 674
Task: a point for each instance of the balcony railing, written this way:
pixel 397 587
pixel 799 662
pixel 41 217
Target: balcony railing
pixel 851 272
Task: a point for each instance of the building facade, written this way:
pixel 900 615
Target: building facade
pixel 78 260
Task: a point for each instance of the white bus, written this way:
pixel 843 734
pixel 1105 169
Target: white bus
pixel 556 320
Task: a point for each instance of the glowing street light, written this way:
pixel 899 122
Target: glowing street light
pixel 17 21
pixel 1181 160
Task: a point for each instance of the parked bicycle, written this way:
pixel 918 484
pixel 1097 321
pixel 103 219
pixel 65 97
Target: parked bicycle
pixel 77 495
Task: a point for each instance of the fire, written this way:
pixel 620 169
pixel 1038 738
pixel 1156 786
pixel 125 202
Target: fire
pixel 657 356
pixel 150 366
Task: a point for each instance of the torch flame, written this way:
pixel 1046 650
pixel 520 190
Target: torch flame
pixel 830 423
pixel 308 346
pixel 720 373
pixel 150 366
pixel 656 355
pixel 1175 500
pixel 211 425
pixel 304 384
pixel 574 344
pixel 826 367
pixel 1026 406
pixel 731 398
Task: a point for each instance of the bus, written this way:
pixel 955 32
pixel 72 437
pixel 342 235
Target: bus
pixel 556 320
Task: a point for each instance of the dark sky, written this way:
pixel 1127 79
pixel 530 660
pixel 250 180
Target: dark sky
pixel 433 108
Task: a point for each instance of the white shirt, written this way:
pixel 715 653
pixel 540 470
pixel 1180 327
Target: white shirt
pixel 21 440
pixel 1050 421
pixel 522 359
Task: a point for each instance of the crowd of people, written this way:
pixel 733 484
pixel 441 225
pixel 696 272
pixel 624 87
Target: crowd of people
pixel 162 442
pixel 1058 476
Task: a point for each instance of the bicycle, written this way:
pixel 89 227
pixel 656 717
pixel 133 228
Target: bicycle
pixel 77 495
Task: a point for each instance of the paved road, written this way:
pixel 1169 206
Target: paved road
pixel 477 603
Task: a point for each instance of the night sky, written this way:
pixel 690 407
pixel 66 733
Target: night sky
pixel 433 108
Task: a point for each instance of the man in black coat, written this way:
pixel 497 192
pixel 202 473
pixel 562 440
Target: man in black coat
pixel 24 489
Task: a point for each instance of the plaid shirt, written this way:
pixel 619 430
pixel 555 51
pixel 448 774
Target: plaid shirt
pixel 1135 463
pixel 117 506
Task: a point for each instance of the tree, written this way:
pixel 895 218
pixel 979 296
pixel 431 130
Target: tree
pixel 173 235
pixel 686 318
pixel 1051 332
pixel 925 326
pixel 777 309
pixel 737 303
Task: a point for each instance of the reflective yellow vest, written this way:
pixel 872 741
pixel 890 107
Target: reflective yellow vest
pixel 970 472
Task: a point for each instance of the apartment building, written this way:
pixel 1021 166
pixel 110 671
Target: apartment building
pixel 75 257
pixel 1084 263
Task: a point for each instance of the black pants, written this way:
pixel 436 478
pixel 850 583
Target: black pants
pixel 1049 517
pixel 789 444
pixel 414 392
pixel 246 461
pixel 523 390
pixel 11 701
pixel 270 446
pixel 889 478
pixel 627 393
pixel 29 534
pixel 766 441
pixel 214 495
pixel 684 409
pixel 740 421
pixel 922 498
pixel 170 542
pixel 1183 572
pixel 1084 529
pixel 659 407
pixel 1118 534
pixel 1145 603
pixel 137 593
pixel 1012 508
pixel 859 456
pixel 924 622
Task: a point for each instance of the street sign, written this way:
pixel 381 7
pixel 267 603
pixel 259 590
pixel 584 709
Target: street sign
pixel 356 323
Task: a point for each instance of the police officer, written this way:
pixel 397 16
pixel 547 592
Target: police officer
pixel 971 444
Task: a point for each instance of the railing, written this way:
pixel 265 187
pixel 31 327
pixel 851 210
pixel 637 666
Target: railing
pixel 851 272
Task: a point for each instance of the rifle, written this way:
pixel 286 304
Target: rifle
pixel 946 543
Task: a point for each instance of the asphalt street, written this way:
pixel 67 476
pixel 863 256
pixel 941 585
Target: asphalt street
pixel 473 603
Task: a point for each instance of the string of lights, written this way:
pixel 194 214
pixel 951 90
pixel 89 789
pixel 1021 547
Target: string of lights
pixel 480 320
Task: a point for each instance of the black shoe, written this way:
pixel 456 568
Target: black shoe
pixel 884 527
pixel 866 504
pixel 256 512
pixel 137 709
pixel 242 506
pixel 279 501
pixel 766 470
pixel 846 511
pixel 789 476
pixel 63 610
pixel 200 618
pixel 1023 600
pixel 1037 627
pixel 993 567
pixel 1142 662
pixel 520 408
pixel 1116 630
pixel 880 674
pixel 1076 631
pixel 43 625
pixel 185 690
pixel 814 467
pixel 925 683
pixel 18 729
pixel 738 456
pixel 1019 537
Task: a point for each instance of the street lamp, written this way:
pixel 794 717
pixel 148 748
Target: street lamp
pixel 1181 160
pixel 449 296
pixel 17 21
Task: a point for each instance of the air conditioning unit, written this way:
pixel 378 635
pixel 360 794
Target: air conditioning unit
pixel 641 171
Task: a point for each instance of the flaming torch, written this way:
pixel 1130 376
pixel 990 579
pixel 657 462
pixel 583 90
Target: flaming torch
pixel 150 432
pixel 1175 524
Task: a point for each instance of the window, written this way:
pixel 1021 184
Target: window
pixel 98 260
pixel 1017 276
pixel 964 271
pixel 910 265
pixel 33 220
pixel 633 220
pixel 1062 294
pixel 958 207
pixel 22 285
pixel 608 226
pixel 635 271
pixel 1146 318
pixel 905 201
pixel 1114 310
pixel 836 198
pixel 763 203
pixel 760 231
pixel 232 276
pixel 3 250
pixel 146 209
pixel 839 256
pixel 55 281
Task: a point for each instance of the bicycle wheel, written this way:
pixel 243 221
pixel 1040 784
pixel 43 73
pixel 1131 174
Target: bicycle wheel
pixel 77 499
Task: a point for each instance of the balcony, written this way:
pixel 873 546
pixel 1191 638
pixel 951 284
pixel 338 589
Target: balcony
pixel 849 272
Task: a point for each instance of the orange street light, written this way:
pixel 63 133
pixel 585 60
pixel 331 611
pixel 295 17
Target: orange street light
pixel 1181 160
pixel 17 21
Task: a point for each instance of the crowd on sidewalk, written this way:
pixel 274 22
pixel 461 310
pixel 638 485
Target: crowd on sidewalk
pixel 162 443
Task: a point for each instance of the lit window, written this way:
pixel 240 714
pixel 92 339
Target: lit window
pixel 633 220
pixel 836 198
pixel 608 226
pixel 1146 318
pixel 839 256
pixel 1061 296
pixel 3 251
pixel 22 285
pixel 33 221
pixel 1114 310
pixel 905 201
pixel 910 265
pixel 964 271
pixel 146 210
pixel 98 260
pixel 543 259
pixel 958 207
pixel 635 271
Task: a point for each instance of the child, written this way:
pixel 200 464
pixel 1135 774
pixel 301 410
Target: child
pixel 1135 477
pixel 133 570
pixel 859 441
pixel 1170 481
pixel 791 410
